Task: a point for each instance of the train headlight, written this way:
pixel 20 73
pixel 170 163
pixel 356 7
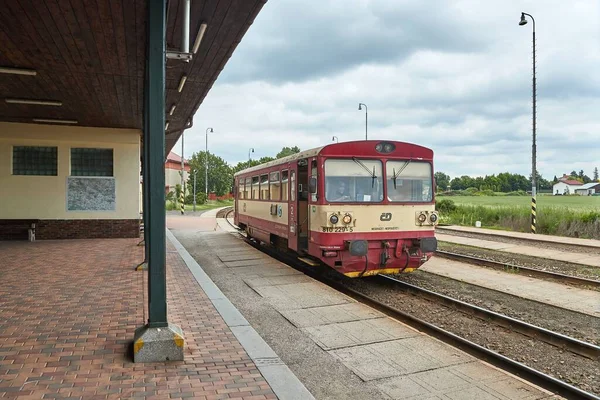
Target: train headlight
pixel 347 219
pixel 433 218
pixel 385 147
pixel 422 218
pixel 334 219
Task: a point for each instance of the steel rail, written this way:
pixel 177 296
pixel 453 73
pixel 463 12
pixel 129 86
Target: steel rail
pixel 577 346
pixel 502 266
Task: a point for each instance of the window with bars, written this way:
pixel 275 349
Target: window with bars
pixel 91 162
pixel 35 160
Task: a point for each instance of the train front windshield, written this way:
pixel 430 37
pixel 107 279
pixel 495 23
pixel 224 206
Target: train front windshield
pixel 409 181
pixel 353 180
pixel 361 180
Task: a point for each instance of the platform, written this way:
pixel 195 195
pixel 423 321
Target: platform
pixel 592 243
pixel 68 311
pixel 339 348
pixel 571 257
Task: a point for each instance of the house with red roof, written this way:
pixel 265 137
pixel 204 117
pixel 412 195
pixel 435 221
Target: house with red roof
pixel 173 172
pixel 566 185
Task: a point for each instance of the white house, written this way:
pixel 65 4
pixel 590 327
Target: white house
pixel 588 189
pixel 566 186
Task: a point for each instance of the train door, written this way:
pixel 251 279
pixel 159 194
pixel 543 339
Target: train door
pixel 303 199
pixel 293 208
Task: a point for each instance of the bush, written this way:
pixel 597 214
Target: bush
pixel 486 192
pixel 200 198
pixel 445 206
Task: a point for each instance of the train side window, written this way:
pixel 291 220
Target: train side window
pixel 313 174
pixel 284 185
pixel 274 186
pixel 264 187
pixel 241 188
pixel 255 189
pixel 248 191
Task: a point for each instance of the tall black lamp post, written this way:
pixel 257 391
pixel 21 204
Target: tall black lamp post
pixel 522 22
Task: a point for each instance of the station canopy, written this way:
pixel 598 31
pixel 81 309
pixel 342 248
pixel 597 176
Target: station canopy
pixel 89 57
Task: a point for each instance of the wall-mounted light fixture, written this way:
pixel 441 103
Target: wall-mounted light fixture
pixel 181 83
pixel 199 36
pixel 17 71
pixel 34 102
pixel 55 121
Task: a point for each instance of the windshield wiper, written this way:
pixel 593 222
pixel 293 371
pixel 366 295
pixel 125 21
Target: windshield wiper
pixel 372 174
pixel 396 175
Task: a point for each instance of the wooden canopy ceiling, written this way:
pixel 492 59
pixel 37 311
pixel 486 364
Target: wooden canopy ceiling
pixel 90 55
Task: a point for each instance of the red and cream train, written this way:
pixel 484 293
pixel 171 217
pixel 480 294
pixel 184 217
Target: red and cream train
pixel 362 208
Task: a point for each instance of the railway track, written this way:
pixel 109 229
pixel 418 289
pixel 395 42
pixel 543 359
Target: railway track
pixel 537 377
pixel 504 236
pixel 533 272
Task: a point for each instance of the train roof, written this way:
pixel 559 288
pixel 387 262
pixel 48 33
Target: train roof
pixel 408 150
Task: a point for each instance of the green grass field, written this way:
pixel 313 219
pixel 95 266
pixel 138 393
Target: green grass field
pixel 587 203
pixel 575 216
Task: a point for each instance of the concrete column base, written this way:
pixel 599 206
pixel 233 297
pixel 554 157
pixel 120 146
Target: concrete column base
pixel 158 344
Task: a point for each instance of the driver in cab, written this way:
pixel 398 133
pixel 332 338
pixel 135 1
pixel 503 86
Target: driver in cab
pixel 340 193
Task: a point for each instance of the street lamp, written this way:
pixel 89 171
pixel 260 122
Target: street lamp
pixel 206 163
pixel 366 117
pixel 335 139
pixel 195 174
pixel 250 150
pixel 522 22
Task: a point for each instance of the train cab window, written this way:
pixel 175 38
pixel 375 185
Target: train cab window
pixel 264 187
pixel 353 180
pixel 247 191
pixel 284 185
pixel 255 189
pixel 409 181
pixel 274 186
pixel 241 188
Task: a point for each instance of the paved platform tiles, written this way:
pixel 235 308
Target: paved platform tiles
pixel 522 235
pixel 564 296
pixel 572 257
pixel 400 361
pixel 68 310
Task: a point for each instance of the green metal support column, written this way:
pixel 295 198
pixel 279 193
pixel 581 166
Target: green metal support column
pixel 155 135
pixel 145 166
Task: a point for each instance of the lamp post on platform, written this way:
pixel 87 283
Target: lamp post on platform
pixel 522 22
pixel 206 163
pixel 250 150
pixel 335 139
pixel 195 174
pixel 366 117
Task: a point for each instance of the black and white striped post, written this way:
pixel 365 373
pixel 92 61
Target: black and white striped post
pixel 522 22
pixel 182 191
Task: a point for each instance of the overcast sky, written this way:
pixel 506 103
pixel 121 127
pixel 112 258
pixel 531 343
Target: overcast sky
pixel 454 76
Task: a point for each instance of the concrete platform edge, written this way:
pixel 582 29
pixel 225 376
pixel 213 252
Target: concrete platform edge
pixel 281 379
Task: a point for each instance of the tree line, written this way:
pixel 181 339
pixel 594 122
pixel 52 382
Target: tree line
pixel 505 181
pixel 220 173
